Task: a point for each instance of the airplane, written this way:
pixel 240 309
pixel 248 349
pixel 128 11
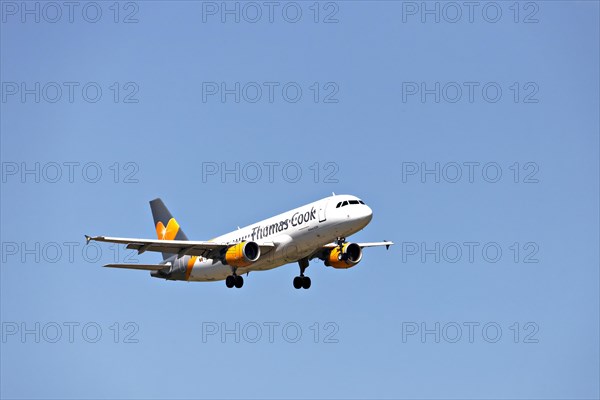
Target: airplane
pixel 315 230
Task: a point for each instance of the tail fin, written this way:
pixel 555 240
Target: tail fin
pixel 167 227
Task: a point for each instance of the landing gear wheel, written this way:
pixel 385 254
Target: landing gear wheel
pixel 239 281
pixel 305 282
pixel 230 281
pixel 298 282
pixel 302 281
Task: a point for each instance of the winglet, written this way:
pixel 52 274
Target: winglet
pixel 387 246
pixel 87 239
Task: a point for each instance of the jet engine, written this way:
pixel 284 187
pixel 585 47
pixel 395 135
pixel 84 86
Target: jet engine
pixel 242 254
pixel 348 256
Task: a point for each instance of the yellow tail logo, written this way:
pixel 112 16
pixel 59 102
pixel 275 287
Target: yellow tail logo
pixel 169 232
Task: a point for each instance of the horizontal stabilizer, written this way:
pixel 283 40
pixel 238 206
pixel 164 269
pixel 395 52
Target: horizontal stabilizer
pixel 146 267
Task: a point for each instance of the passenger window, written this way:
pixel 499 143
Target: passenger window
pixel 338 205
pixel 344 204
pixel 353 201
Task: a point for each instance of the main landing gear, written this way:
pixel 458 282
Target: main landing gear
pixel 234 280
pixel 302 281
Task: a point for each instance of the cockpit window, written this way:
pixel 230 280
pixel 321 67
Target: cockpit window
pixel 348 202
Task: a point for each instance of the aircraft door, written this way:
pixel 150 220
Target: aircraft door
pixel 322 211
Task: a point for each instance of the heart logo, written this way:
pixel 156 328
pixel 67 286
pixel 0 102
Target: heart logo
pixel 169 232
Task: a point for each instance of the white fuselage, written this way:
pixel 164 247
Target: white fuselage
pixel 296 234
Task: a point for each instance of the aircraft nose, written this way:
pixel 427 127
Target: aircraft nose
pixel 366 214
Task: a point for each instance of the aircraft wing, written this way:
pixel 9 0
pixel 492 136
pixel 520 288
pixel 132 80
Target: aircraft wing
pixel 362 245
pixel 323 251
pixel 182 248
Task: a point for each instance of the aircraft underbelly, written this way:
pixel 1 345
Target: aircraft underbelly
pixel 289 250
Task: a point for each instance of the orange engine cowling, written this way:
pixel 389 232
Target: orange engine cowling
pixel 242 254
pixel 348 257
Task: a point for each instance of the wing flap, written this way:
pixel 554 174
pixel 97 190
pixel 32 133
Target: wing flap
pixel 145 267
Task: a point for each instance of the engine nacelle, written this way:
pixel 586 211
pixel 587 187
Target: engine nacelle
pixel 242 254
pixel 348 257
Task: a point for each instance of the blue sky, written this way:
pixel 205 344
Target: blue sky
pixel 371 129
